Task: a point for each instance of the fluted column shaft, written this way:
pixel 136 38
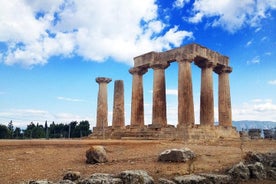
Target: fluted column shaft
pixel 159 112
pixel 137 97
pixel 206 94
pixel 224 97
pixel 185 94
pixel 118 119
pixel 102 108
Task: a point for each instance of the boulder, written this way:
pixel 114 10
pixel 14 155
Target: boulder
pixel 239 172
pixel 136 177
pixel 190 179
pixel 96 154
pixel 257 171
pixel 176 155
pixel 217 178
pixel 71 175
pixel 101 178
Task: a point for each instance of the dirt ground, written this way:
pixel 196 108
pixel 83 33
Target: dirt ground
pixel 24 160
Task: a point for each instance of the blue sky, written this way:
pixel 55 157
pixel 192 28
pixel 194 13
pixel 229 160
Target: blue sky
pixel 51 51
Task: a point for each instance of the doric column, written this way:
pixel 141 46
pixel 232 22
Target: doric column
pixel 185 94
pixel 206 93
pixel 159 112
pixel 137 97
pixel 224 98
pixel 102 102
pixel 118 119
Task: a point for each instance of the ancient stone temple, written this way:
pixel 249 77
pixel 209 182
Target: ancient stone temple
pixel 208 61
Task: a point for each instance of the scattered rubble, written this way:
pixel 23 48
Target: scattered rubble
pixel 257 166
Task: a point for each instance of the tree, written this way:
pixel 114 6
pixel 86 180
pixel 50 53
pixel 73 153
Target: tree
pixel 10 127
pixel 17 133
pixel 4 132
pixel 46 130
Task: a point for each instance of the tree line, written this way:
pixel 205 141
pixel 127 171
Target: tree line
pixel 72 130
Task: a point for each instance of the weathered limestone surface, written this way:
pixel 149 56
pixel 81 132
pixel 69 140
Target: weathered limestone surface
pixel 137 97
pixel 224 98
pixel 206 92
pixel 102 102
pixel 185 94
pixel 159 112
pixel 118 120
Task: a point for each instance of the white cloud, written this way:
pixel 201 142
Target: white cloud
pixel 95 30
pixel 255 60
pixel 248 43
pixel 69 99
pixel 232 14
pixel 268 53
pixel 257 109
pixel 272 82
pixel 172 92
pixel 180 3
pixel 22 117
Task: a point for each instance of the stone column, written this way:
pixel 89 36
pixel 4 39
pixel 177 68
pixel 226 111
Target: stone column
pixel 185 94
pixel 137 97
pixel 224 98
pixel 118 119
pixel 102 111
pixel 206 93
pixel 159 112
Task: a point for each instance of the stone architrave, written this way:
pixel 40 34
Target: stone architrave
pixel 185 93
pixel 206 93
pixel 137 98
pixel 118 119
pixel 224 98
pixel 102 111
pixel 159 112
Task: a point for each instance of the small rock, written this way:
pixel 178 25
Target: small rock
pixel 217 178
pixel 239 172
pixel 96 154
pixel 271 174
pixel 66 182
pixel 41 182
pixel 165 181
pixel 176 155
pixel 190 179
pixel 136 177
pixel 257 171
pixel 71 175
pixel 101 178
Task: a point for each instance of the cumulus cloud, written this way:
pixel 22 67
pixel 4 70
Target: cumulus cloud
pixel 232 15
pixel 257 109
pixel 34 31
pixel 180 3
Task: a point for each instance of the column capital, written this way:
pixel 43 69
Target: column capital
pixel 204 63
pixel 103 80
pixel 159 66
pixel 222 69
pixel 138 70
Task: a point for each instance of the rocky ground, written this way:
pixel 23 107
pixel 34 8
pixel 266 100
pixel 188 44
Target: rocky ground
pixel 24 160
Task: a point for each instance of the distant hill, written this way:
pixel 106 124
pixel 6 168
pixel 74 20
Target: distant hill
pixel 248 124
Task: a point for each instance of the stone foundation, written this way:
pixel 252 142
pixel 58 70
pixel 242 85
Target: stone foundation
pixel 196 132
